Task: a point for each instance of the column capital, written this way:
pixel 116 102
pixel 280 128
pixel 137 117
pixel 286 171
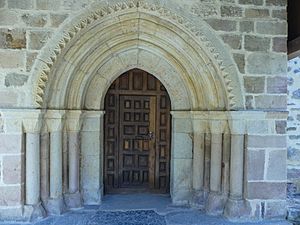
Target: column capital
pixel 54 120
pixel 74 120
pixel 92 114
pixel 32 121
pixel 217 126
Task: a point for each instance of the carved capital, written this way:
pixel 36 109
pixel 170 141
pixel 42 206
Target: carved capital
pixel 217 126
pixel 74 120
pixel 32 122
pixel 54 120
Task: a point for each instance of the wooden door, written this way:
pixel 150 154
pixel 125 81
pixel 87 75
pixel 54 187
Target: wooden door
pixel 137 135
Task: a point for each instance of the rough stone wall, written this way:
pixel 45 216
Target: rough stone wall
pixel 254 31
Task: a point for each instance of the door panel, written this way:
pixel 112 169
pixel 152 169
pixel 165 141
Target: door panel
pixel 137 134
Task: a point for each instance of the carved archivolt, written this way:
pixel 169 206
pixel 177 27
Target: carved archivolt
pixel 224 70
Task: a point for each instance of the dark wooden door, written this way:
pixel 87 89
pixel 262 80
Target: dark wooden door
pixel 137 135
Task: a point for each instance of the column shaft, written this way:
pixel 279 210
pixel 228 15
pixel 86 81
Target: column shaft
pixel 73 162
pixel 32 168
pixel 198 161
pixel 216 162
pixel 45 166
pixel 56 164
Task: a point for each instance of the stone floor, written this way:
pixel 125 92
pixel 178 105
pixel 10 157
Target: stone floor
pixel 138 209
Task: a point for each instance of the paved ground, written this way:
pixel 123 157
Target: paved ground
pixel 139 209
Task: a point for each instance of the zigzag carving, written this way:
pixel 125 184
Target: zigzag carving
pixel 100 13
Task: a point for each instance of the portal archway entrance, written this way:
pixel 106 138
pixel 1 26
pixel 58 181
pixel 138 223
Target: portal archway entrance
pixel 137 135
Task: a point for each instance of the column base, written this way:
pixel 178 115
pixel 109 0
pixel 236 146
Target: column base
pixel 34 212
pixel 215 203
pixel 55 206
pixel 73 200
pixel 198 199
pixel 237 209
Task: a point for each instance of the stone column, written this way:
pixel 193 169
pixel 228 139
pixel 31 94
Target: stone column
pixel 216 201
pixel 45 185
pixel 92 157
pixel 32 126
pixel 73 123
pixel 236 207
pixel 54 119
pixel 199 126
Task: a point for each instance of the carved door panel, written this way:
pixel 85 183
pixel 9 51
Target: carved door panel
pixel 137 134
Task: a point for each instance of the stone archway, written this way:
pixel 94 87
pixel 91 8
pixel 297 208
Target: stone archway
pixel 75 72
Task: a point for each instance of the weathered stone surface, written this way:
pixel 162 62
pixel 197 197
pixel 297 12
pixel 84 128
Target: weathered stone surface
pixel 266 141
pixel 279 14
pixel 254 84
pixel 12 59
pixel 275 28
pixel 296 94
pixel 255 43
pixel 2 3
pixel 293 154
pixel 240 61
pixel 249 102
pixel 270 102
pixel 279 44
pixel 256 165
pixel 57 19
pixel 10 143
pixel 37 39
pixel 30 58
pixel 75 4
pixel 231 11
pixel 276 169
pixel 276 2
pixel 8 17
pixel 276 85
pixel 257 127
pixel 266 190
pixel 293 173
pixel 251 2
pixel 205 10
pixel 234 41
pixel 12 173
pixel 35 20
pixel 10 195
pixel 265 63
pixel 247 26
pixel 280 127
pixel 224 25
pixel 48 4
pixel 17 4
pixel 275 209
pixel 14 39
pixel 8 99
pixel 15 79
pixel 257 13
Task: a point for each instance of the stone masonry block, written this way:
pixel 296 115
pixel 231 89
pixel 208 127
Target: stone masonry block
pixel 251 2
pixel 255 43
pixel 275 209
pixel 277 85
pixel 222 25
pixel 30 58
pixel 12 59
pixel 15 79
pixel 293 154
pixel 279 44
pixel 276 169
pixel 231 11
pixel 266 141
pixel 254 84
pixel 274 28
pixel 2 3
pixel 14 39
pixel 57 19
pixel 12 173
pixel 234 41
pixel 249 102
pixel 8 99
pixel 247 26
pixel 20 4
pixel 276 2
pixel 10 143
pixel 38 39
pixel 257 13
pixel 280 127
pixel 266 190
pixel 271 102
pixel 279 14
pixel 266 63
pixel 240 61
pixel 34 20
pixel 8 17
pixel 10 195
pixel 48 4
pixel 255 165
